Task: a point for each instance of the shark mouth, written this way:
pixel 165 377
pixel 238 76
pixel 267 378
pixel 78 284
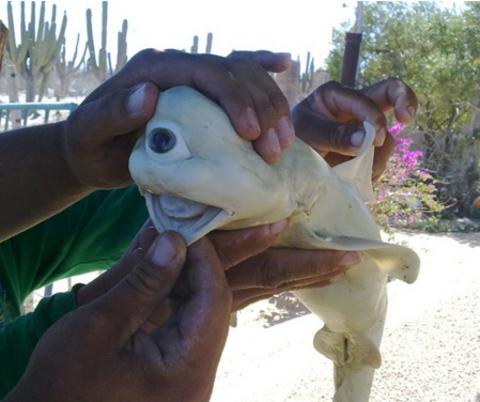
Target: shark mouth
pixel 191 219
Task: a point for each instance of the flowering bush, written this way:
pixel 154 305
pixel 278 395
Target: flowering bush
pixel 406 193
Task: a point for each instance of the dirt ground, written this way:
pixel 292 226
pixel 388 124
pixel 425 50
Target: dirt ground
pixel 430 349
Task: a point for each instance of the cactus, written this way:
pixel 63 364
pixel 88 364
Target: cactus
pixel 122 46
pixel 3 41
pixel 103 68
pixel 36 53
pixel 99 69
pixel 65 70
pixel 194 48
pixel 208 46
pixel 307 75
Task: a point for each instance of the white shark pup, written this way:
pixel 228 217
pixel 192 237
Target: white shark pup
pixel 198 175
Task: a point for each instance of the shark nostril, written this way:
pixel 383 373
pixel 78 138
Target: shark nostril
pixel 181 208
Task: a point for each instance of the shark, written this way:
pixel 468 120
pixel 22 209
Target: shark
pixel 197 175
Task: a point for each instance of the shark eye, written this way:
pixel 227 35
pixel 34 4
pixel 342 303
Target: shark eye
pixel 162 140
pixel 165 143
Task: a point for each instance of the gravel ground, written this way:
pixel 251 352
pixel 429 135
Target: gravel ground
pixel 431 344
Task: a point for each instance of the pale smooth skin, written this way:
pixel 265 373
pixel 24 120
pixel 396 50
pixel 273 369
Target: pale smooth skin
pixel 55 173
pixel 323 210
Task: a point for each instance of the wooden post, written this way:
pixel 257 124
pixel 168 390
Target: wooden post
pixel 350 58
pixel 352 49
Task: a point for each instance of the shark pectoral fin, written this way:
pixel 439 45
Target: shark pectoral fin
pixel 362 352
pixel 358 171
pixel 397 262
pixel 329 344
pixel 353 351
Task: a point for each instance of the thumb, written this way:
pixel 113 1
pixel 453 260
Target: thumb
pixel 131 301
pixel 115 113
pixel 326 136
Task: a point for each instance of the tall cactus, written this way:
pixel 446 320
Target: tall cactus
pixel 102 68
pixel 3 41
pixel 66 69
pixel 208 45
pixel 122 46
pixel 307 75
pixel 194 48
pixel 38 50
pixel 99 68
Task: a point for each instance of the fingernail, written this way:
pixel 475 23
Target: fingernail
pixel 277 227
pixel 357 138
pixel 251 121
pixel 271 143
pixel 337 278
pixel 411 111
pixel 350 258
pixel 136 100
pixel 285 132
pixel 164 251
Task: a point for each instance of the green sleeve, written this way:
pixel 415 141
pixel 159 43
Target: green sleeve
pixel 19 337
pixel 89 235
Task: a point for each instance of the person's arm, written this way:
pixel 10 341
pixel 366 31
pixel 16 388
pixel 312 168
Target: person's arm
pixel 36 181
pixel 89 235
pixel 19 337
pixel 46 168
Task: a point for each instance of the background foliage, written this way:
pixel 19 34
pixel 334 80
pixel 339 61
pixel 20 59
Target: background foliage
pixel 437 52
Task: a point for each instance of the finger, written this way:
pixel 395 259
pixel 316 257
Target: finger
pixel 270 104
pixel 394 93
pixel 206 73
pixel 274 62
pixel 243 298
pixel 199 325
pixel 381 157
pixel 128 305
pixel 130 259
pixel 116 113
pixel 344 105
pixel 237 245
pixel 277 267
pixel 324 136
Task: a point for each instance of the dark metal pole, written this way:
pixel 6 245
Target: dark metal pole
pixel 350 58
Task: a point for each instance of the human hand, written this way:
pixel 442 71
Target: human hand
pixel 329 119
pixel 99 135
pixel 100 352
pixel 255 271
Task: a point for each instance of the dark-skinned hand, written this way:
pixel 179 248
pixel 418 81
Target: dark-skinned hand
pixel 100 351
pixel 99 135
pixel 330 119
pixel 254 270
